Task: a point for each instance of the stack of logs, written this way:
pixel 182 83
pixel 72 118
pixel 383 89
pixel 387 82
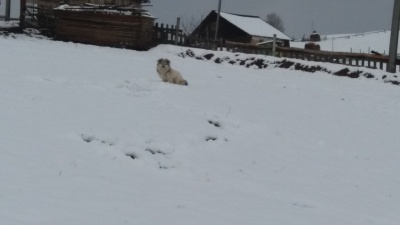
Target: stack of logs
pixel 104 29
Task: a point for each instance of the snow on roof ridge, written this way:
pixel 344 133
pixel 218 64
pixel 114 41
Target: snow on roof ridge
pixel 243 15
pixel 253 25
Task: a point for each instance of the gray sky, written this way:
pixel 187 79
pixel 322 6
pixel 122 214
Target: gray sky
pixel 328 16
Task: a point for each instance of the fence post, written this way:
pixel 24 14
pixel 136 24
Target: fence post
pixel 394 38
pixel 274 46
pixel 172 35
pixel 178 20
pixel 22 9
pixel 155 33
pixel 169 33
pixel 162 34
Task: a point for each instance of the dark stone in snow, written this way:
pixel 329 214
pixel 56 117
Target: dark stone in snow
pixel 208 56
pixel 218 60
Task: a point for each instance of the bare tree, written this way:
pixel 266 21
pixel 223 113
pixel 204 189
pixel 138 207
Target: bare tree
pixel 275 20
pixel 188 25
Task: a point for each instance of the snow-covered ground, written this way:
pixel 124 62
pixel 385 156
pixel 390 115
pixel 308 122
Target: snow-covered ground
pixel 358 42
pixel 90 135
pixel 8 24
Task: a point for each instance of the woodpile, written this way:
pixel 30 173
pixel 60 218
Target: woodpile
pixel 116 23
pixel 104 28
pixel 51 4
pixel 312 46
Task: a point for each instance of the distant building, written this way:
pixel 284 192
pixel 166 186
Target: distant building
pixel 315 37
pixel 238 28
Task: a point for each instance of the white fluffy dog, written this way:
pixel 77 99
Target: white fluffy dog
pixel 167 74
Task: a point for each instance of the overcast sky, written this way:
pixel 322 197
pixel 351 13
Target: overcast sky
pixel 299 16
pixel 328 16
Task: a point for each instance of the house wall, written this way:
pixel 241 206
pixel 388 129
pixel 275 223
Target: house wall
pixel 226 30
pixel 206 29
pixel 230 32
pixel 258 39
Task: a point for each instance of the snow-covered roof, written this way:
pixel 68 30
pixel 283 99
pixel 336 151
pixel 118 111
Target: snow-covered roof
pixel 254 26
pixel 126 10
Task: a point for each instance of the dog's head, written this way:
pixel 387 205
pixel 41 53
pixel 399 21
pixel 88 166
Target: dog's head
pixel 164 64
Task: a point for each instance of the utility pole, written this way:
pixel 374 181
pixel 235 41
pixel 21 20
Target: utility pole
pixel 22 10
pixel 217 25
pixel 8 10
pixel 394 38
pixel 312 26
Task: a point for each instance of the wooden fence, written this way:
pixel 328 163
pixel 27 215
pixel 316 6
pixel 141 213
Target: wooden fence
pixel 167 36
pixel 345 58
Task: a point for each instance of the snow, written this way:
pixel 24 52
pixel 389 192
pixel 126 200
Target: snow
pixel 9 24
pixel 127 10
pixel 289 147
pixel 357 42
pixel 254 26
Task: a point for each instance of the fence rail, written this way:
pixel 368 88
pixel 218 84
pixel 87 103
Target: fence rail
pixel 352 59
pixel 166 35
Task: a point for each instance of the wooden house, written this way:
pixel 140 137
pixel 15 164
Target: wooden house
pixel 238 28
pixel 116 23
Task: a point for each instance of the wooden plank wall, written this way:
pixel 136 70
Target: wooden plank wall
pixel 103 29
pixel 45 13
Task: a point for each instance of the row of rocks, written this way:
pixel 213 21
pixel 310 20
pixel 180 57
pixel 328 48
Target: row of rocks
pixel 260 63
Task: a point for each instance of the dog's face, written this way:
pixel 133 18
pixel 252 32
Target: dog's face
pixel 163 64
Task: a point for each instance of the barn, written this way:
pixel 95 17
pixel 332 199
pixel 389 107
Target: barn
pixel 115 23
pixel 238 28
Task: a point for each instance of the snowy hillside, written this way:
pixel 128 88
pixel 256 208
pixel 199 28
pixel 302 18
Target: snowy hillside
pixel 361 42
pixel 91 136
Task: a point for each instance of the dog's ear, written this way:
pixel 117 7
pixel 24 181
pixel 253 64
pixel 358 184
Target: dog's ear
pixel 168 62
pixel 159 60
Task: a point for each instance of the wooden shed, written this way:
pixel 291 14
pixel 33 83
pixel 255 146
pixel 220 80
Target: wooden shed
pixel 238 28
pixel 115 23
